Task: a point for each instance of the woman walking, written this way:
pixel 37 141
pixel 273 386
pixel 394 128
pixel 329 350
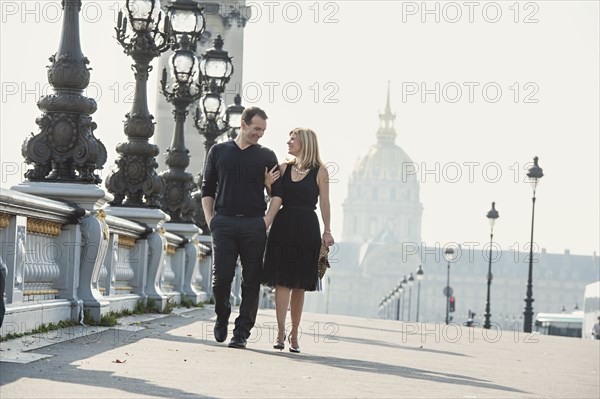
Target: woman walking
pixel 295 238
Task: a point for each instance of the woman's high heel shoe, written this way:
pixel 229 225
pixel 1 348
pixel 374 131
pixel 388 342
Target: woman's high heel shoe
pixel 294 349
pixel 280 345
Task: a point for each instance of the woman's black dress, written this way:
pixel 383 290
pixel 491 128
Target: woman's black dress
pixel 294 240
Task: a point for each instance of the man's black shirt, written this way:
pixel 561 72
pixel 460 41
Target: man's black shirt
pixel 235 178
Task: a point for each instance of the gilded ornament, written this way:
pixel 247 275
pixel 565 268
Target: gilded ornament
pixel 43 227
pixel 126 241
pixel 4 217
pixel 171 249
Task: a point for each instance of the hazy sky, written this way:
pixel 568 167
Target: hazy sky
pixel 478 88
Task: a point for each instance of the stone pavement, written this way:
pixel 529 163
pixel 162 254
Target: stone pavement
pixel 175 356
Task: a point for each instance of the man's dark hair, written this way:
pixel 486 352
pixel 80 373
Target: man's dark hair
pixel 251 112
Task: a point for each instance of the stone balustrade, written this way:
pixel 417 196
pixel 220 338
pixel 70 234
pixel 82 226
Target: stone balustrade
pixel 64 260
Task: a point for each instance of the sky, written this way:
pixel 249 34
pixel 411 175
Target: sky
pixel 478 88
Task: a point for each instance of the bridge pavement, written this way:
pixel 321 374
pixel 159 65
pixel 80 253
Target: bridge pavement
pixel 175 356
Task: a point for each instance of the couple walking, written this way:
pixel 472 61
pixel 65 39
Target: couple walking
pixel 236 174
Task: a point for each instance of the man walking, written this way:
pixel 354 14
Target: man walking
pixel 234 207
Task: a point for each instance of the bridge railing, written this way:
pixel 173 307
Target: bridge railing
pixel 63 261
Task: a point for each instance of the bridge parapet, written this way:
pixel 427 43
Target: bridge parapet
pixel 64 260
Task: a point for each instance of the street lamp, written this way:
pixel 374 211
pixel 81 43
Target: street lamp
pixel 186 19
pixel 186 26
pixel 411 281
pixel 449 255
pixel 534 174
pixel 419 278
pixel 404 282
pixel 492 215
pixel 386 306
pixel 135 181
pixel 216 69
pixel 380 307
pixel 399 292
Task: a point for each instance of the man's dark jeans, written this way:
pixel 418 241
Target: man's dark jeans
pixel 232 236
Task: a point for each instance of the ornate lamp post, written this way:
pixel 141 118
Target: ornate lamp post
pixel 135 181
pixel 187 24
pixel 492 215
pixel 419 278
pixel 216 68
pixel 403 283
pixel 411 281
pixel 384 310
pixel 398 294
pixel 65 150
pixel 534 174
pixel 449 255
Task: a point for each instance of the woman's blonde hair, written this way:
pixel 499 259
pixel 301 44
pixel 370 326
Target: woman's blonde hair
pixel 309 152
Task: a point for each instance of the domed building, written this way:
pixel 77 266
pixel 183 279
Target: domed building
pixel 381 232
pixel 383 192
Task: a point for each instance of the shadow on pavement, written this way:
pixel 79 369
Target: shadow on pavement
pixel 365 366
pixel 365 341
pixel 68 355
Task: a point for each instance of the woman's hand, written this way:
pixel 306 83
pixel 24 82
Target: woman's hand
pixel 328 239
pixel 271 176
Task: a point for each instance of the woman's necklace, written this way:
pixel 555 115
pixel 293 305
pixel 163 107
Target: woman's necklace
pixel 300 171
